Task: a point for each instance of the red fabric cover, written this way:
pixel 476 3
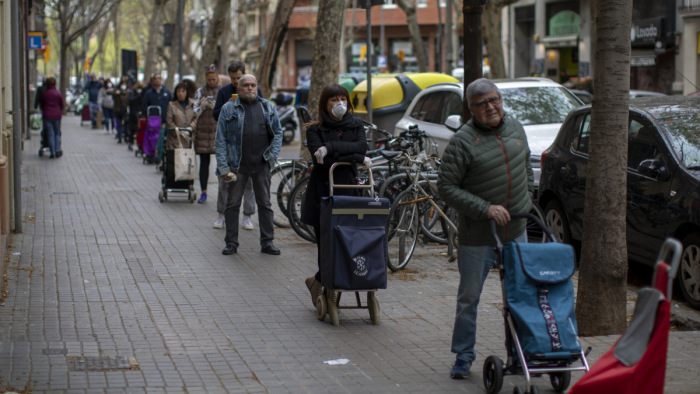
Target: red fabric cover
pixel 608 375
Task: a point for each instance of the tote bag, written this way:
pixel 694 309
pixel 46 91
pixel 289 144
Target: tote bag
pixel 185 162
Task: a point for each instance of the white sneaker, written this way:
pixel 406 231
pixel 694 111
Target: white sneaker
pixel 247 223
pixel 219 223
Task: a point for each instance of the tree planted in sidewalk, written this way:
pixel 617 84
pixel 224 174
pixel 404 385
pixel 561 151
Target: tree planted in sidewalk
pixel 325 60
pixel 601 305
pixel 72 19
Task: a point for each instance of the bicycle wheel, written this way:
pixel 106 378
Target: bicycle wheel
pixel 296 202
pixel 283 178
pixel 393 185
pixel 535 234
pixel 433 224
pixel 404 223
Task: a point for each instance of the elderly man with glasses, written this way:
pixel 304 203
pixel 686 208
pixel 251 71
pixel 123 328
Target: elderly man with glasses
pixel 485 174
pixel 248 141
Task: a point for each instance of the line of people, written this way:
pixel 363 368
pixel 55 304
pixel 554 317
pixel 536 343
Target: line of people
pixel 209 111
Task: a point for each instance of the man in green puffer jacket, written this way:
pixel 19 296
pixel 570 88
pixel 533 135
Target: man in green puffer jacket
pixel 485 174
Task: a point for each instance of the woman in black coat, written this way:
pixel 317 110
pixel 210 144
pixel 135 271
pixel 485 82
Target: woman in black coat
pixel 135 104
pixel 336 136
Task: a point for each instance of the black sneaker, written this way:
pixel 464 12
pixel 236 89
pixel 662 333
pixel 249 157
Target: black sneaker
pixel 460 369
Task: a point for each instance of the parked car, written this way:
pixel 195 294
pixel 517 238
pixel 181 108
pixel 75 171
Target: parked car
pixel 583 95
pixel 663 181
pixel 540 104
pixel 643 93
pixel 391 95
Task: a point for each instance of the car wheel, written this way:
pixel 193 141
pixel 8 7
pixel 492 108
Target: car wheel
pixel 689 270
pixel 555 219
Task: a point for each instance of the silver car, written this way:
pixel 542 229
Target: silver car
pixel 540 104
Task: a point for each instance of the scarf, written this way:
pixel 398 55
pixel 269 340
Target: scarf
pixel 348 122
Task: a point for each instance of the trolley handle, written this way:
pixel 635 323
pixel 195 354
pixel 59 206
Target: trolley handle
pixel 520 215
pixel 148 110
pixel 673 248
pixel 370 183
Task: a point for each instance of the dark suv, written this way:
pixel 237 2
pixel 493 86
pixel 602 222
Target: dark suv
pixel 663 181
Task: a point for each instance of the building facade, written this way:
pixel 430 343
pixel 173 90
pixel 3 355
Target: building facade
pixel 554 39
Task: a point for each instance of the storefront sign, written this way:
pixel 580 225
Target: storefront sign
pixel 643 61
pixel 646 31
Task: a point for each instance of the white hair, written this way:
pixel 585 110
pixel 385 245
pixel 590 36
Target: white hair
pixel 246 76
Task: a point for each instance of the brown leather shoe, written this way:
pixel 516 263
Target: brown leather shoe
pixel 314 287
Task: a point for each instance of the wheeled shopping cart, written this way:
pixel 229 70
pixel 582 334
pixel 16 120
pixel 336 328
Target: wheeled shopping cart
pixel 538 309
pixel 353 249
pixel 637 362
pixel 168 181
pixel 150 139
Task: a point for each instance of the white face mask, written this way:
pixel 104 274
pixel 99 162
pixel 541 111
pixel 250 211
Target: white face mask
pixel 339 109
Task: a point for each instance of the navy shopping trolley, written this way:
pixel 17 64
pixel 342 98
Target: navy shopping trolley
pixel 353 249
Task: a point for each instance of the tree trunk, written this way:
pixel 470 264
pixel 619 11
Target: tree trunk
pixel 409 8
pixel 174 59
pixel 210 52
pixel 491 22
pixel 115 20
pixel 324 64
pixel 150 57
pixel 602 287
pixel 73 22
pixel 273 41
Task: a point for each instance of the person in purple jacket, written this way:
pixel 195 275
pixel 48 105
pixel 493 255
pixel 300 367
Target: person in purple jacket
pixel 52 109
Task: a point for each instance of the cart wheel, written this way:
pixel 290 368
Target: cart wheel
pixel 560 381
pixel 493 374
pixel 321 307
pixel 332 307
pixel 373 306
pixel 534 390
pixel 161 197
pixel 517 390
pixel 165 194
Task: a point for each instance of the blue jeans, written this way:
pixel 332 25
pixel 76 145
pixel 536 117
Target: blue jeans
pixel 53 134
pixel 94 109
pixel 107 114
pixel 475 262
pixel 119 125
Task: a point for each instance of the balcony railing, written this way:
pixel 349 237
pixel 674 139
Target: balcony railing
pixel 687 5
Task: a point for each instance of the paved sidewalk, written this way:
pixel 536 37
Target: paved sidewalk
pixel 109 290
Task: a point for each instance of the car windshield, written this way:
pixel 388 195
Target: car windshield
pixel 683 125
pixel 538 105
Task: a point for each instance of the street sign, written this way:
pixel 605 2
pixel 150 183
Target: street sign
pixel 35 40
pixel 381 61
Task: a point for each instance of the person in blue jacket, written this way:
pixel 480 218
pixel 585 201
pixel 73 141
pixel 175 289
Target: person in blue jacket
pixel 248 141
pixel 93 87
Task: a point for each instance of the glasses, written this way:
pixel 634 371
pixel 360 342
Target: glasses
pixel 210 68
pixel 483 104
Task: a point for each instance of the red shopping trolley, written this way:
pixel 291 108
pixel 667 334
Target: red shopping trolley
pixel 637 362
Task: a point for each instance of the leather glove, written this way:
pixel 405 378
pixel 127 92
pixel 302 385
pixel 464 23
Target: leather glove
pixel 320 154
pixel 367 162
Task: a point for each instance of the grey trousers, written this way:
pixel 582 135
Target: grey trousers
pixel 248 199
pixel 234 193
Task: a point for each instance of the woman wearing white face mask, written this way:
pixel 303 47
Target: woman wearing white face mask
pixel 336 136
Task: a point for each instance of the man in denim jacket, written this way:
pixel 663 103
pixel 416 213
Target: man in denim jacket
pixel 248 141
